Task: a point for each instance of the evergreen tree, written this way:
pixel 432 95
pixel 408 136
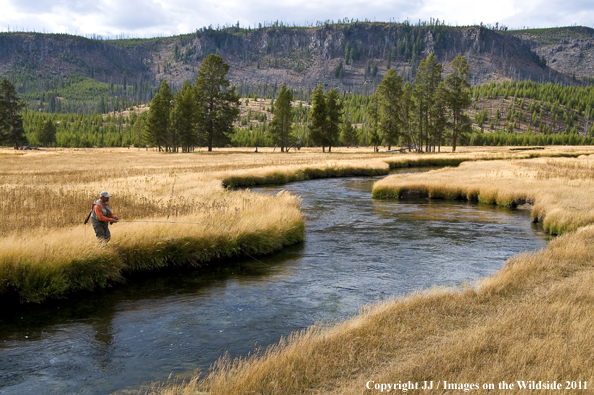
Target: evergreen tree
pixel 48 135
pixel 349 134
pixel 334 106
pixel 426 81
pixel 38 133
pixel 458 97
pixel 374 116
pixel 281 125
pixel 11 121
pixel 436 107
pixel 438 116
pixel 101 106
pixel 219 106
pixel 184 116
pixel 138 132
pixel 157 122
pixel 406 114
pixel 389 97
pixel 319 117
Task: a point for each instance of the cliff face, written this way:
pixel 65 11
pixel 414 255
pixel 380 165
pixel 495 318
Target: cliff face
pixel 347 57
pixel 568 50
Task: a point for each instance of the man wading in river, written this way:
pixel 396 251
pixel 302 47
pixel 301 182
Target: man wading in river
pixel 101 216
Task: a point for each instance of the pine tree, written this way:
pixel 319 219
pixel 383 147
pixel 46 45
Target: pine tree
pixel 406 113
pixel 49 133
pixel 374 116
pixel 184 115
pixel 319 117
pixel 38 133
pixel 426 81
pixel 438 116
pixel 334 107
pixel 458 97
pixel 157 121
pixel 219 106
pixel 349 134
pixel 281 125
pixel 389 96
pixel 11 121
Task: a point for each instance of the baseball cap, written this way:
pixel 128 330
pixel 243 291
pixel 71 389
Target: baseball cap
pixel 104 194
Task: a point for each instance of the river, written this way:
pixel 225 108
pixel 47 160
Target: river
pixel 357 250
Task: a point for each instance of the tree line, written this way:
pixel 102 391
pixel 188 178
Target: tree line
pixel 423 114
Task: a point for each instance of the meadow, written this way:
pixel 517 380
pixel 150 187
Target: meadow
pixel 176 209
pixel 530 321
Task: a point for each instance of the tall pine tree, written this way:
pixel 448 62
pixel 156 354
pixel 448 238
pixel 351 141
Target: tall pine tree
pixel 11 120
pixel 319 118
pixel 457 94
pixel 281 126
pixel 334 106
pixel 389 94
pixel 219 104
pixel 184 116
pixel 157 120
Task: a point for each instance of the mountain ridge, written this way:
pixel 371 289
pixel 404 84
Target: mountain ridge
pixel 349 57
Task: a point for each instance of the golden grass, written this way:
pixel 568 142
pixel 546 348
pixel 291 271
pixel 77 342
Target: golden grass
pixel 530 321
pixel 44 263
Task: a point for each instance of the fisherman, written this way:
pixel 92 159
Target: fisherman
pixel 101 216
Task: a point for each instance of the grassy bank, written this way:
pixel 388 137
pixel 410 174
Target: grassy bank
pixel 43 264
pixel 450 159
pixel 282 175
pixel 380 164
pixel 560 189
pixel 530 321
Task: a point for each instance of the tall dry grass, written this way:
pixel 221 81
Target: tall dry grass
pixel 47 263
pixel 530 321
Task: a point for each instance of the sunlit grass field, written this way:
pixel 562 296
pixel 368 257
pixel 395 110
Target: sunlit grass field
pixel 560 189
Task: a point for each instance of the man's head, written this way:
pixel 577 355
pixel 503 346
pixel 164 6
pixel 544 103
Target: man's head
pixel 104 196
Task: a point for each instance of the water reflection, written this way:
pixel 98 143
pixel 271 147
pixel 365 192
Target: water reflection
pixel 357 251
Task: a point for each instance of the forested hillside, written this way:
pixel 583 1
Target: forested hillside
pixel 508 113
pixel 65 73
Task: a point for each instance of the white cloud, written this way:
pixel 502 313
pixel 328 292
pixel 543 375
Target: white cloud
pixel 167 17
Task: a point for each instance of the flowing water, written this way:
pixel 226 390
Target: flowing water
pixel 357 251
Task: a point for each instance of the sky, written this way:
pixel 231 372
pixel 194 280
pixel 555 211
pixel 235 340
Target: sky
pixel 153 18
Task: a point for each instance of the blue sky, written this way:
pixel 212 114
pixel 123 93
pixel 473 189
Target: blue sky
pixel 163 18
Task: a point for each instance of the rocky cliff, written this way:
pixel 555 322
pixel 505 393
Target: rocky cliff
pixel 350 57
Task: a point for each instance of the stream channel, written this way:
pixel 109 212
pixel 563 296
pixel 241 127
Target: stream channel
pixel 357 250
